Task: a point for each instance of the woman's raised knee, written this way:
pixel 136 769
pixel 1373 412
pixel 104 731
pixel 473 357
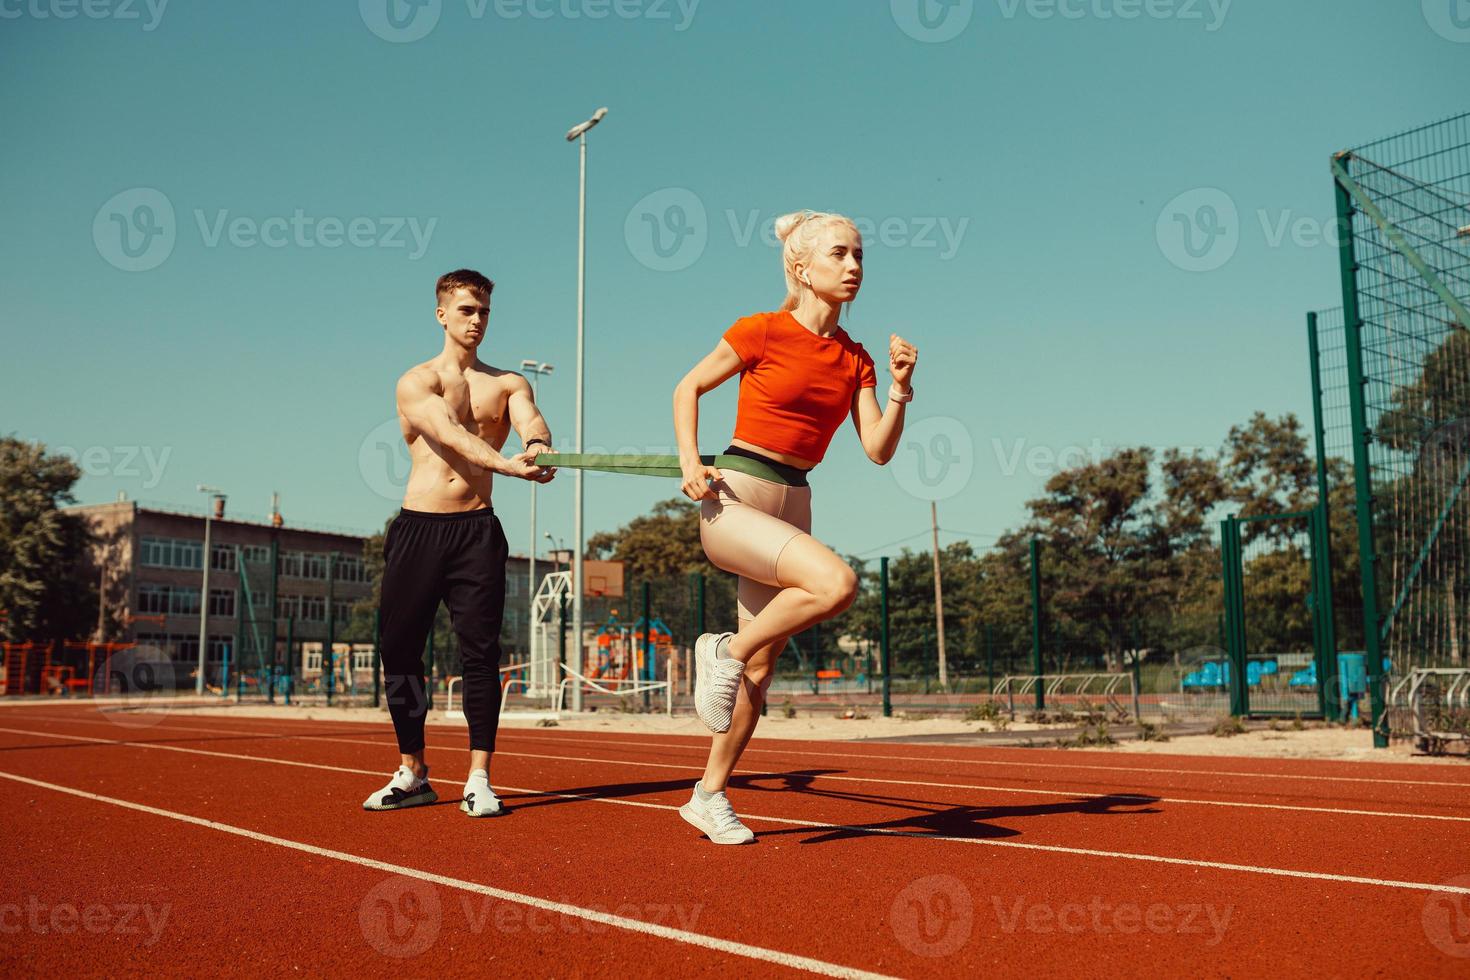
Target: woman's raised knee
pixel 839 590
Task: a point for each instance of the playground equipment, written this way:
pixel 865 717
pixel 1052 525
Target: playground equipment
pixel 547 633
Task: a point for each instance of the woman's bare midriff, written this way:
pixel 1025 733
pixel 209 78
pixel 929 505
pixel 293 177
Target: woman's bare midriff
pixel 787 458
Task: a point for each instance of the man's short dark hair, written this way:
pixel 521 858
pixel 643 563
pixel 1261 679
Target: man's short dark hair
pixel 462 279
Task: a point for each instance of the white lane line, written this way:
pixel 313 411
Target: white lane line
pixel 517 733
pixel 1068 794
pixel 778 957
pixel 514 733
pixel 1140 799
pixel 870 831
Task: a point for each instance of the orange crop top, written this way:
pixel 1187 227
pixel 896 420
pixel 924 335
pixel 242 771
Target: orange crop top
pixel 796 387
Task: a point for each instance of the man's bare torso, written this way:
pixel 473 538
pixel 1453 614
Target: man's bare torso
pixel 441 480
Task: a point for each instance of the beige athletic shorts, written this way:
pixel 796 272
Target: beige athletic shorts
pixel 745 529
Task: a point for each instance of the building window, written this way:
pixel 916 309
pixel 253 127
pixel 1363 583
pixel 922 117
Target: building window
pixel 342 610
pixel 152 600
pixel 222 602
pixel 170 600
pixel 222 558
pixel 290 564
pixel 171 553
pixel 314 608
pixel 255 554
pixel 349 569
pixel 314 566
pixel 185 647
pixel 218 647
pixel 288 606
pixel 183 602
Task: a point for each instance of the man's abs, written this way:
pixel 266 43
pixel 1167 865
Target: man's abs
pixel 441 482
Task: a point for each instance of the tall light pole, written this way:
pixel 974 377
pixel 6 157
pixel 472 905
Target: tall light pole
pixel 535 369
pixel 578 133
pixel 556 549
pixel 215 493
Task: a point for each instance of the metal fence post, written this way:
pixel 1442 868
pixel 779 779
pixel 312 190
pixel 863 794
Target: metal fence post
pixel 1036 670
pixel 1362 471
pixel 885 651
pixel 377 657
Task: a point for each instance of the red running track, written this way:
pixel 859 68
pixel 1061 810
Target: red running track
pixel 185 844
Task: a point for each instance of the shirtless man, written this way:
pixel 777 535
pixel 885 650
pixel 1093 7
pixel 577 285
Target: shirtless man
pixel 446 543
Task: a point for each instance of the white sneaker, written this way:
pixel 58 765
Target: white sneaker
pixel 403 790
pixel 716 818
pixel 716 682
pixel 479 799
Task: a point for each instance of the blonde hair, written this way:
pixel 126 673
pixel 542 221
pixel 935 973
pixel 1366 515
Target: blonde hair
pixel 798 232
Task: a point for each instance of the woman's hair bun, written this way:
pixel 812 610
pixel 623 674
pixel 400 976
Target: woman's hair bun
pixel 788 223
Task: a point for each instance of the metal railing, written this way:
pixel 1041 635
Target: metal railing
pixel 1428 697
pixel 614 687
pixel 1068 689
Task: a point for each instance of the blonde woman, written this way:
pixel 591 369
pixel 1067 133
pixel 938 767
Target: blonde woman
pixel 800 376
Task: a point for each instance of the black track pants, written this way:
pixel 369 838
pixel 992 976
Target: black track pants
pixel 458 559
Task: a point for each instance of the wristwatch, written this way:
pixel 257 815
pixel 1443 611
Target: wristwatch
pixel 896 394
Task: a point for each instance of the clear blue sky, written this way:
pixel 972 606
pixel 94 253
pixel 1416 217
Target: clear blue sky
pixel 1050 191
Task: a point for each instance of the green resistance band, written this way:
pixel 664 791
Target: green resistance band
pixel 609 463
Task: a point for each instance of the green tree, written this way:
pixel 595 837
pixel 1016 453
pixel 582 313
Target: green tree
pixel 44 591
pixel 912 626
